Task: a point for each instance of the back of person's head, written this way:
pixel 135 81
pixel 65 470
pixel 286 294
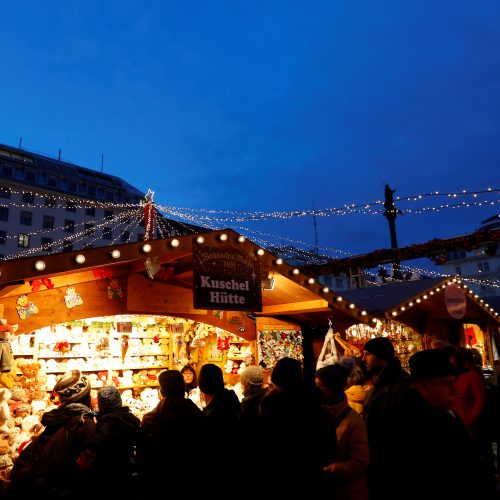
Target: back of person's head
pixel 356 374
pixel 73 387
pixel 252 376
pixel 287 374
pixel 171 383
pixel 334 379
pixel 211 379
pixel 108 399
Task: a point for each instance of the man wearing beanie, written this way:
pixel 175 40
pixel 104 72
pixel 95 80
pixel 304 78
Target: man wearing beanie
pixel 73 418
pixel 390 384
pixel 111 451
pixel 173 433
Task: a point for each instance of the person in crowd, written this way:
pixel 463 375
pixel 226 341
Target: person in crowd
pixel 430 453
pixel 303 436
pixel 389 384
pixel 356 389
pixel 74 421
pixel 190 378
pixel 111 451
pixel 346 476
pixel 173 431
pixel 470 400
pixel 252 382
pixel 222 410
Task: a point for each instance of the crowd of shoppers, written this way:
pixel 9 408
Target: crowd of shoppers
pixel 367 429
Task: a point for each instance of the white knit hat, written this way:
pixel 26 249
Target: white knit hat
pixel 252 375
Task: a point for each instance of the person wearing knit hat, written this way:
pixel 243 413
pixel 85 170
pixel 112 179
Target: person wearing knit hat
pixel 108 399
pixel 252 375
pixel 110 450
pixel 74 414
pixel 390 382
pixel 73 386
pixel 381 347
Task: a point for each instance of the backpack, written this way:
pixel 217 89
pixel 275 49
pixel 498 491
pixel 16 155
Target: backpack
pixel 45 462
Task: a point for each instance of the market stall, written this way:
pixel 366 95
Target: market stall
pixel 414 313
pixel 124 313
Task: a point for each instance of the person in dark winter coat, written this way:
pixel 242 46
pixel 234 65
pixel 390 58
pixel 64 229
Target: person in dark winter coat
pixel 300 437
pixel 111 451
pixel 222 409
pixel 67 480
pixel 174 431
pixel 390 383
pixel 430 453
pixel 252 382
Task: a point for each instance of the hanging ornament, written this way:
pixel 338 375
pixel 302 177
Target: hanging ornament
pixel 124 346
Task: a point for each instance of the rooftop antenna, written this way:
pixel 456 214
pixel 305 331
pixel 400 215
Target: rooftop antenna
pixel 316 247
pixel 59 157
pixel 20 142
pixel 102 162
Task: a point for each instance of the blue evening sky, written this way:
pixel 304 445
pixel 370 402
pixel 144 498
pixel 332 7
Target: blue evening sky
pixel 266 105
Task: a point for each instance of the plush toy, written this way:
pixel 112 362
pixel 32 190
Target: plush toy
pixel 149 398
pixel 5 395
pixel 6 330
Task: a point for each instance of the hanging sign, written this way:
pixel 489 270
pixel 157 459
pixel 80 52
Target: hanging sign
pixel 456 303
pixel 225 279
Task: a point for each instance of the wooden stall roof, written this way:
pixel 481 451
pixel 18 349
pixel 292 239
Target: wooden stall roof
pixel 409 301
pixel 295 296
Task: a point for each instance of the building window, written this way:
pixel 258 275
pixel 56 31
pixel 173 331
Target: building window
pixel 30 175
pixel 458 271
pixel 109 195
pixel 67 246
pixel 339 283
pixel 23 240
pixel 4 213
pixel 107 233
pixel 28 198
pixel 486 266
pixel 47 244
pixel 108 214
pixel 125 236
pixel 69 226
pixel 26 218
pixel 50 202
pixel 5 192
pixel 72 186
pixel 479 267
pixel 89 229
pixel 70 206
pixel 463 254
pixel 7 170
pixel 327 280
pixel 90 211
pixel 91 190
pixel 3 237
pixel 51 181
pixel 48 222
